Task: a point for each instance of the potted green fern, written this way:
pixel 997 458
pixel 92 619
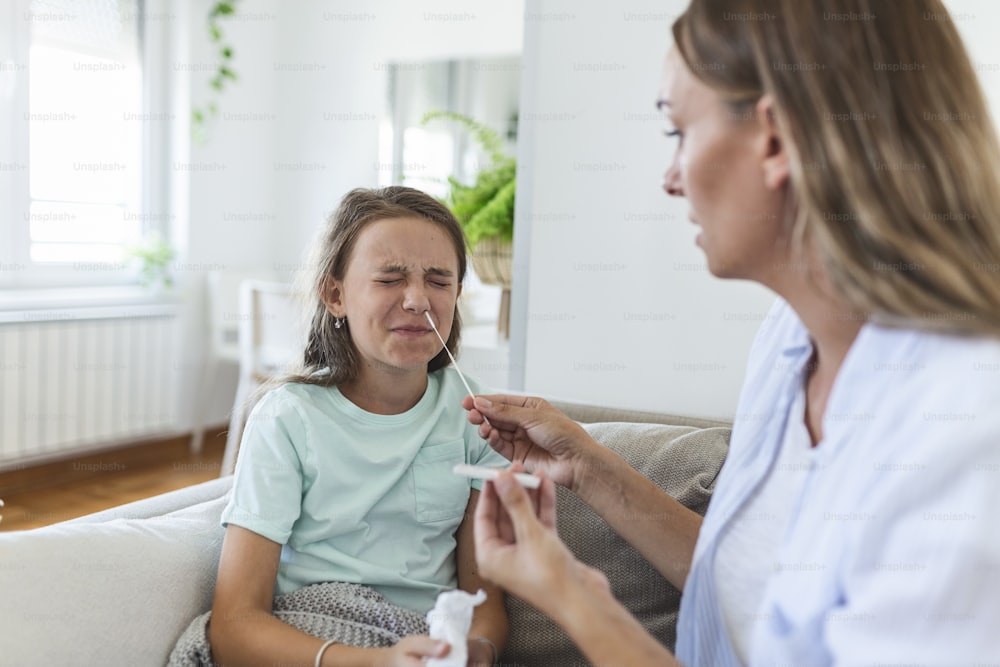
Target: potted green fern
pixel 485 208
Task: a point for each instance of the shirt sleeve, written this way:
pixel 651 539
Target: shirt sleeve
pixel 268 482
pixel 924 583
pixel 478 451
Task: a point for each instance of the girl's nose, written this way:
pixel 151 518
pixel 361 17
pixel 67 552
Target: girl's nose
pixel 415 299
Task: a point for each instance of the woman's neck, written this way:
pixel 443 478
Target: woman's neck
pixel 833 326
pixel 832 323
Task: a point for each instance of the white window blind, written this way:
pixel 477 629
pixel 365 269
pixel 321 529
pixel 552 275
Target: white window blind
pixel 85 103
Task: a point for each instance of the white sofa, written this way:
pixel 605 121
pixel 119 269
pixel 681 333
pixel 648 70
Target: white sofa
pixel 118 587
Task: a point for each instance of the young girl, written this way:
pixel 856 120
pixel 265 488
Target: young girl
pixel 345 470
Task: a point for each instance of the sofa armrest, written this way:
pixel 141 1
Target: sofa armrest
pixel 110 589
pixel 164 503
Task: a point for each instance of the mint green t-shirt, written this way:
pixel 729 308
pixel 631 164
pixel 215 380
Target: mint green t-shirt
pixel 358 497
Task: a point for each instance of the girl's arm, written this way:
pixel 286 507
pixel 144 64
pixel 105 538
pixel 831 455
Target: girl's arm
pixel 243 631
pixel 489 620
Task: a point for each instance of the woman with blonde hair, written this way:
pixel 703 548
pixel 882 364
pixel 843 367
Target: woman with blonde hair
pixel 841 154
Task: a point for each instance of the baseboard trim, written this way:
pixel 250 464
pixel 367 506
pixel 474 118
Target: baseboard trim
pixel 80 466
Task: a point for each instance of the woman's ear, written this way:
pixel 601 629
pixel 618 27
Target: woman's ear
pixel 775 158
pixel 332 296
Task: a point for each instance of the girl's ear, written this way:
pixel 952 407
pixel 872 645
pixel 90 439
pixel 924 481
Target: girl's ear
pixel 332 296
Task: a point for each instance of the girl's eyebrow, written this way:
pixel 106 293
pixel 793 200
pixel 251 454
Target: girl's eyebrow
pixel 391 268
pixel 399 268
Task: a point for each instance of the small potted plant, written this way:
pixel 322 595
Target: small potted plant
pixel 154 256
pixel 485 208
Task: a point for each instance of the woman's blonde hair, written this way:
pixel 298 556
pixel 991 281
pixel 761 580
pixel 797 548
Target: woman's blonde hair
pixel 893 154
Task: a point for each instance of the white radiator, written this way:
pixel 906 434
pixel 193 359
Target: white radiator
pixel 85 381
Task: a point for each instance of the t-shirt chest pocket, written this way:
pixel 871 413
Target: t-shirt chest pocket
pixel 439 493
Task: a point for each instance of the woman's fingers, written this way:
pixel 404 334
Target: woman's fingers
pixel 502 412
pixel 518 505
pixel 547 503
pixel 485 519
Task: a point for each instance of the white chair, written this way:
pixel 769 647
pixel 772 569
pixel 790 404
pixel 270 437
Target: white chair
pixel 271 337
pixel 223 315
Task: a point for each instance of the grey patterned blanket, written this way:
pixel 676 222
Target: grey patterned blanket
pixel 346 613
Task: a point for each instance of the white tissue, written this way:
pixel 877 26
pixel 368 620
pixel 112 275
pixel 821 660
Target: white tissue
pixel 449 621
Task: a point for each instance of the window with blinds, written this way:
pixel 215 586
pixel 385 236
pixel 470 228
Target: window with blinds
pixel 85 128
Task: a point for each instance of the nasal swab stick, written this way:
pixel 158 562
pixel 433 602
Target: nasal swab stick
pixel 427 314
pixel 454 363
pixel 479 472
pixel 482 472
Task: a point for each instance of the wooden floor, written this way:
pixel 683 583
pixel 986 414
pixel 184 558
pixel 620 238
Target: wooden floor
pixel 45 494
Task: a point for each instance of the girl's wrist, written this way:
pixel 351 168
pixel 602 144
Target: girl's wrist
pixel 490 648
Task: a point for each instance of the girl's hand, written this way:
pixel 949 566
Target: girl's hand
pixel 529 431
pixel 517 546
pixel 412 651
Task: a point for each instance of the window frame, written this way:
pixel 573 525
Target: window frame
pixel 17 271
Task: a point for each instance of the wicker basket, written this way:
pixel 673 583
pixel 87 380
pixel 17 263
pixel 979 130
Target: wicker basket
pixel 493 262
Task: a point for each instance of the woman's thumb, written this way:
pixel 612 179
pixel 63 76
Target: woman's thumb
pixel 517 503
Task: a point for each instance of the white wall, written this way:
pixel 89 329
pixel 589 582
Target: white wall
pixel 612 303
pixel 618 307
pixel 225 187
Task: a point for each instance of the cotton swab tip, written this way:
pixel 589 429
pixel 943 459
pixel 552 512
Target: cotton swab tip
pixel 482 472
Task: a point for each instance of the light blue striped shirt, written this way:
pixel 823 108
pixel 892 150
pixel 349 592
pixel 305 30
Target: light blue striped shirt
pixel 892 552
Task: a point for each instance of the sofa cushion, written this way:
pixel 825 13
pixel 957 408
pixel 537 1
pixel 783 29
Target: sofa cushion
pixel 684 462
pixel 113 593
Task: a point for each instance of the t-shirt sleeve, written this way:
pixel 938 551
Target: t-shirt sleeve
pixel 481 454
pixel 267 486
pixel 478 451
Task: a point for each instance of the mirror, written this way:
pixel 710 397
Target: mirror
pixel 425 155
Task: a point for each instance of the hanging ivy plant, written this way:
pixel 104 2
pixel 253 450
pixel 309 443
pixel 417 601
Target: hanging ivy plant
pixel 225 74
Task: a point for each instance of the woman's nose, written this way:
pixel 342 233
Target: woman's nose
pixel 672 179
